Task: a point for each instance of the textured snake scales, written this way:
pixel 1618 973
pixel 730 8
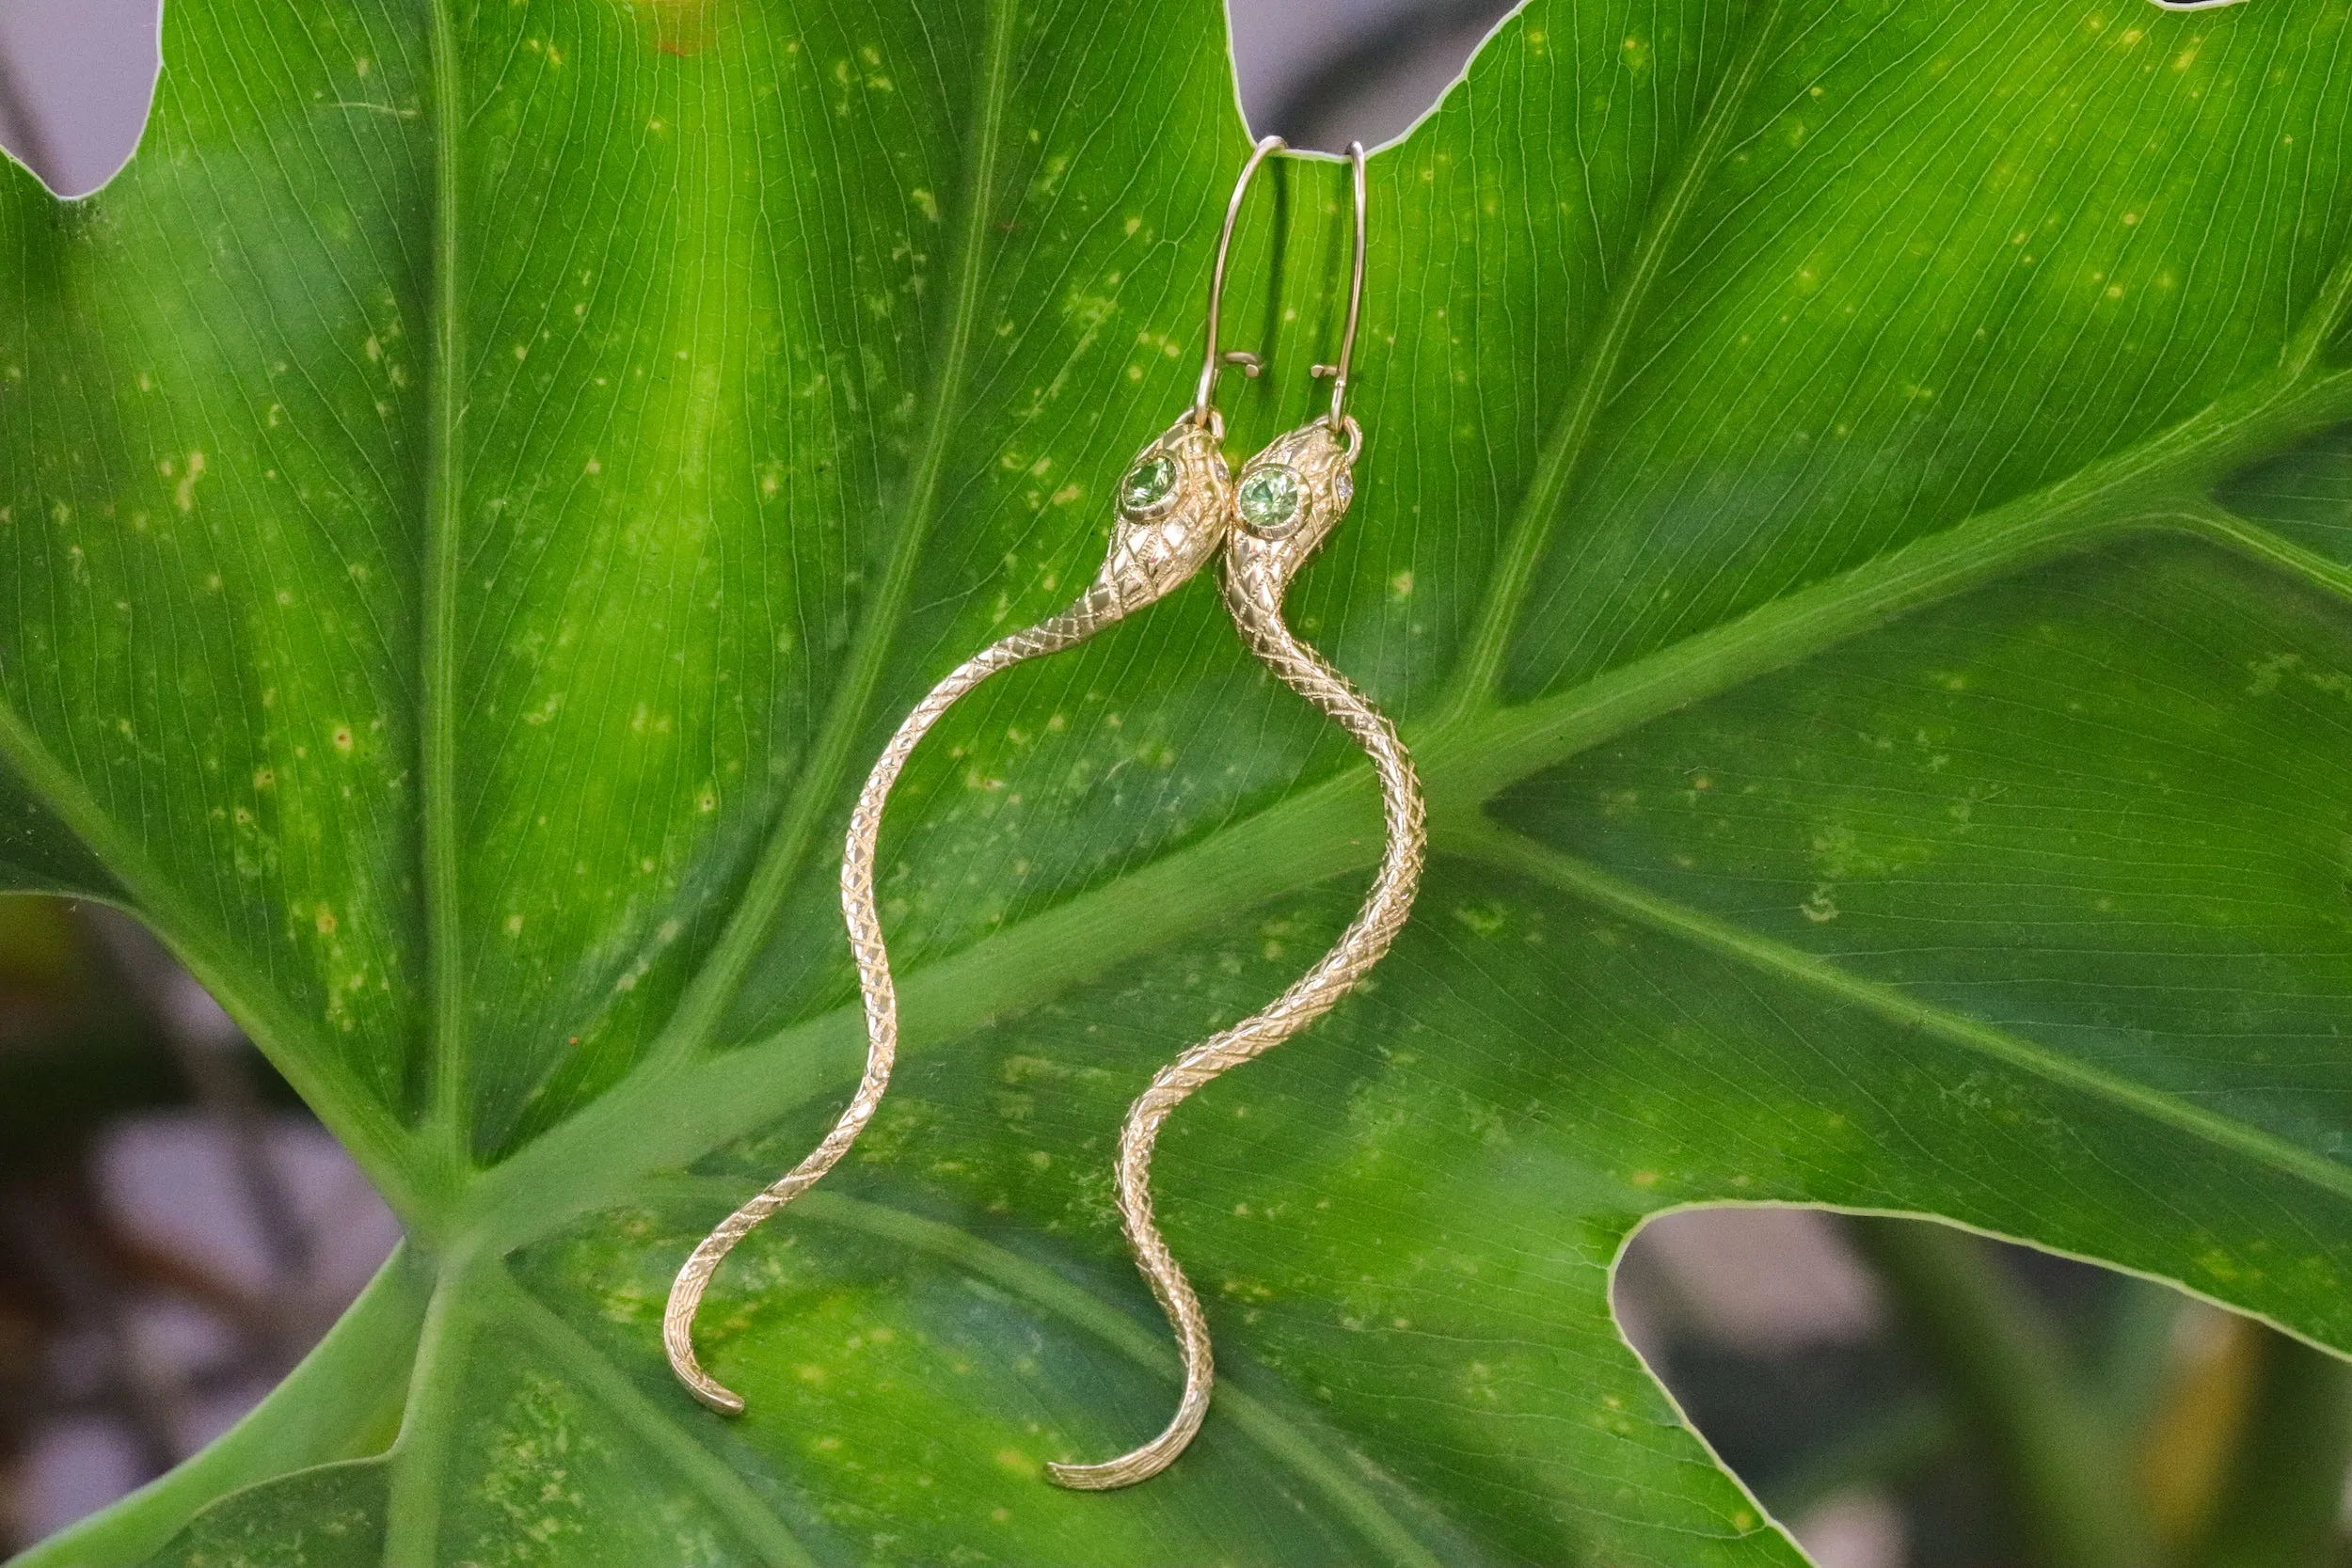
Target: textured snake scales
pixel 1175 505
pixel 1287 501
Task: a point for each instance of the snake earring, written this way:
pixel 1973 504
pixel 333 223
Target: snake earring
pixel 1287 501
pixel 1175 503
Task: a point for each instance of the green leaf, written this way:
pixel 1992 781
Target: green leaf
pixel 1855 520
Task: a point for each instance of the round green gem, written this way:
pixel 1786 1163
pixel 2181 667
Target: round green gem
pixel 1269 498
pixel 1147 484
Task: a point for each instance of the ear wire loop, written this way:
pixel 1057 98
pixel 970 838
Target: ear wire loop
pixel 1258 572
pixel 1146 563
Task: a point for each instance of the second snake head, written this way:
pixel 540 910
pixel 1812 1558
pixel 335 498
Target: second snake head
pixel 1285 505
pixel 1175 503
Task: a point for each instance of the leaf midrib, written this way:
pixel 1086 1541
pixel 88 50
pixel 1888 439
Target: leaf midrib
pixel 449 1124
pixel 703 1004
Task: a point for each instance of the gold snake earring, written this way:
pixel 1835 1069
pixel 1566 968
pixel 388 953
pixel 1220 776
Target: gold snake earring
pixel 1175 503
pixel 1286 502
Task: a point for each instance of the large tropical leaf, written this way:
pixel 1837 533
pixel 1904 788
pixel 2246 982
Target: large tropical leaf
pixel 1856 519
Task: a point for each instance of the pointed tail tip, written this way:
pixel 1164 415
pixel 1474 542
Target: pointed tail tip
pixel 709 1390
pixel 726 1402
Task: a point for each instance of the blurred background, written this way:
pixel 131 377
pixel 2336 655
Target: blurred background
pixel 175 1231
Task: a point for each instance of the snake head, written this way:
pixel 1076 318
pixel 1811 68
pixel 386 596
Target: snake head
pixel 1289 499
pixel 1175 503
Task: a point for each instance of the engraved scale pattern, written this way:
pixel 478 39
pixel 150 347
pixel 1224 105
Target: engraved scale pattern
pixel 1260 562
pixel 1153 551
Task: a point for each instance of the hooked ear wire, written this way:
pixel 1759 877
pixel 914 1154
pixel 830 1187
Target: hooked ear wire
pixel 1205 398
pixel 1355 294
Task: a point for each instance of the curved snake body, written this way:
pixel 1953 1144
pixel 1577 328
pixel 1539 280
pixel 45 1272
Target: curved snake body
pixel 1157 546
pixel 1259 561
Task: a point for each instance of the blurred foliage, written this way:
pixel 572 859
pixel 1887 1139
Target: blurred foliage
pixel 83 1047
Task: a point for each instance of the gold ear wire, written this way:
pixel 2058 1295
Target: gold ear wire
pixel 1204 397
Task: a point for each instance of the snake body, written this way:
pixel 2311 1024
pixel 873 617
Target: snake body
pixel 1259 561
pixel 1156 547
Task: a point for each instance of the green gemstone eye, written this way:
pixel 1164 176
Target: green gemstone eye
pixel 1269 498
pixel 1147 484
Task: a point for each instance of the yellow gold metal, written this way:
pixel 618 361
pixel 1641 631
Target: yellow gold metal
pixel 1169 523
pixel 1204 395
pixel 1355 294
pixel 1263 553
pixel 1153 551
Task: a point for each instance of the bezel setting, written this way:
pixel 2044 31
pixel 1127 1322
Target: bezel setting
pixel 1157 498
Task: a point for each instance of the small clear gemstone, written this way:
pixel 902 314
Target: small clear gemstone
pixel 1269 498
pixel 1147 484
pixel 1343 487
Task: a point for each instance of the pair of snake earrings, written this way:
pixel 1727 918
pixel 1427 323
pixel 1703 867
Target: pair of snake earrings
pixel 1178 504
